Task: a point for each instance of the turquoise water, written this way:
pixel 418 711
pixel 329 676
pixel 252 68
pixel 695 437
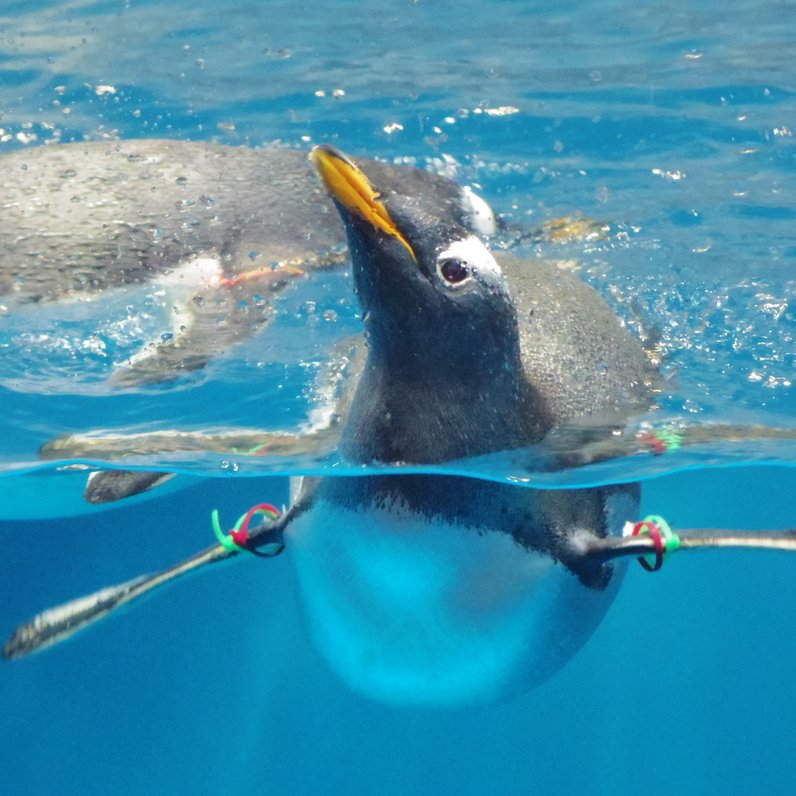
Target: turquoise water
pixel 673 126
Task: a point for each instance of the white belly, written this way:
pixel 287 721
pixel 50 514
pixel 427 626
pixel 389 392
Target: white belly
pixel 408 611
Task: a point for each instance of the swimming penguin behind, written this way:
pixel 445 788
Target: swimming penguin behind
pixel 430 588
pixel 216 227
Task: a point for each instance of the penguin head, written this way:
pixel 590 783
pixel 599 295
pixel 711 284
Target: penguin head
pixel 431 291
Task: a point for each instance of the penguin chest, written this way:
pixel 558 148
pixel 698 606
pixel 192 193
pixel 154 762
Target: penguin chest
pixel 410 607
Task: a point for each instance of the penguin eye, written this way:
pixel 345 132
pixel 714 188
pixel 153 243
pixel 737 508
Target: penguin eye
pixel 453 270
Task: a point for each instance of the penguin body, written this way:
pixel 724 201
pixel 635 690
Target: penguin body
pixel 215 225
pixel 434 590
pixel 429 588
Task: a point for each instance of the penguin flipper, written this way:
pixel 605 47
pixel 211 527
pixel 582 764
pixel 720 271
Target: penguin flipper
pixel 63 621
pixel 564 447
pixel 108 486
pixel 336 385
pixel 609 548
pixel 207 324
pixel 578 445
pixel 241 442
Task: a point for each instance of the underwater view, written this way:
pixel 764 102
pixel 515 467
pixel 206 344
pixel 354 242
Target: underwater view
pixel 443 301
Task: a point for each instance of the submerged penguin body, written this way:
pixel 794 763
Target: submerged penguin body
pixel 417 592
pixel 443 589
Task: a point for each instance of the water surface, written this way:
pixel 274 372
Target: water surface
pixel 673 126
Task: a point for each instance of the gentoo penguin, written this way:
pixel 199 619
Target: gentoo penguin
pixel 215 225
pixel 425 587
pixel 435 588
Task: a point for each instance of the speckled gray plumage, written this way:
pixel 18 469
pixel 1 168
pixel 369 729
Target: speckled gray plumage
pixel 87 216
pixel 574 349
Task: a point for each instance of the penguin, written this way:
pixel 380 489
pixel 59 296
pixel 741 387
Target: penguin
pixel 432 588
pixel 214 226
pixel 429 587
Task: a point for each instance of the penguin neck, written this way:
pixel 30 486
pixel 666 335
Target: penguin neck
pixel 406 410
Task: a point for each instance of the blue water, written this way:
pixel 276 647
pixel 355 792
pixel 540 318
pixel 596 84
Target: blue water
pixel 673 125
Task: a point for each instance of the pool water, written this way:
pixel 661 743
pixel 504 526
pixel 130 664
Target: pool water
pixel 672 127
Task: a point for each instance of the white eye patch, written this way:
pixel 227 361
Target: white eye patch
pixel 481 217
pixel 471 254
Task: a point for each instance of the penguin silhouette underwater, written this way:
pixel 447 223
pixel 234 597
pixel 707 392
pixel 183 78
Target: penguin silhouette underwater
pixel 430 588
